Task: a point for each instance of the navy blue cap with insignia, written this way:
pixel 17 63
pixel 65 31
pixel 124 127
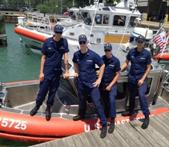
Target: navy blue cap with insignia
pixel 107 46
pixel 140 38
pixel 58 29
pixel 83 38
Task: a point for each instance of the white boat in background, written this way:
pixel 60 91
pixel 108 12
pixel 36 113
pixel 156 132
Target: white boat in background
pixel 100 23
pixel 73 19
pixel 107 24
pixel 36 27
pixel 36 19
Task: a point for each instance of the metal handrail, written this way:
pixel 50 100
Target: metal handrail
pixel 165 83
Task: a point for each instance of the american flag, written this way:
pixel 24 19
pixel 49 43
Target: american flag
pixel 161 40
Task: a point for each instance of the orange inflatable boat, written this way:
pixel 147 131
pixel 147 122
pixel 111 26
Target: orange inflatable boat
pixel 162 56
pixel 23 127
pixel 32 34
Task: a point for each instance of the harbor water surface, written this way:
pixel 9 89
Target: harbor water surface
pixel 17 63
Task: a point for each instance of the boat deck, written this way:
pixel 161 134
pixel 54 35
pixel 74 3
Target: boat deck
pixel 127 134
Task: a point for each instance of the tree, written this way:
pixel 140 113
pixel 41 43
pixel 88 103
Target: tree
pixel 43 8
pixel 50 5
pixel 53 6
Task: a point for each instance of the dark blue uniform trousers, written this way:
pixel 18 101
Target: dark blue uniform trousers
pixel 83 92
pixel 47 85
pixel 140 91
pixel 109 100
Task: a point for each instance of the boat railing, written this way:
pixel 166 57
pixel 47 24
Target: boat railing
pixel 40 24
pixel 45 29
pixel 3 93
pixel 165 83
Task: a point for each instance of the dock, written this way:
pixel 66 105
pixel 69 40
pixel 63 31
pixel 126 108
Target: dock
pixel 153 25
pixel 3 40
pixel 125 135
pixel 11 16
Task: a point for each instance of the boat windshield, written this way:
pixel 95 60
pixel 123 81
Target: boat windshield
pixel 72 15
pixel 133 21
pixel 119 20
pixel 86 17
pixel 102 19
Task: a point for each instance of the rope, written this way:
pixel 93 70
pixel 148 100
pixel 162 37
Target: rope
pixel 93 22
pixel 125 31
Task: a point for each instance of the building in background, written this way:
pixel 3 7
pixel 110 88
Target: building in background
pixel 154 10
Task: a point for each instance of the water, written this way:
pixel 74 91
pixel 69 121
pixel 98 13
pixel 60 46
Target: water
pixel 17 63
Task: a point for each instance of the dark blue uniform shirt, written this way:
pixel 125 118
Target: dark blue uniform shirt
pixel 86 66
pixel 54 51
pixel 139 62
pixel 112 65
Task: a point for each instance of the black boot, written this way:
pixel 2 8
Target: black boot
pixel 103 132
pixel 48 113
pixel 34 110
pixel 112 125
pixel 78 117
pixel 128 113
pixel 146 122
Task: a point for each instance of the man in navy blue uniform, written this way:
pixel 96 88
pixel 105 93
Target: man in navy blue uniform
pixel 53 50
pixel 88 83
pixel 140 60
pixel 108 86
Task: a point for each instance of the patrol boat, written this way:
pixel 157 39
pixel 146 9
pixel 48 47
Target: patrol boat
pixel 101 23
pixel 35 28
pixel 18 98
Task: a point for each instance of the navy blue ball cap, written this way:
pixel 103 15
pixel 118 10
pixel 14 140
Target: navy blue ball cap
pixel 108 46
pixel 140 38
pixel 58 29
pixel 83 38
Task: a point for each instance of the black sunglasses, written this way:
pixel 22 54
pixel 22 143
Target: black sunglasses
pixel 58 32
pixel 82 42
pixel 106 50
pixel 140 41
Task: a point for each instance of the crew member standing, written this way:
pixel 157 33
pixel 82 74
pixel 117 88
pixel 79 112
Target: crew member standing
pixel 53 50
pixel 84 65
pixel 140 60
pixel 108 86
